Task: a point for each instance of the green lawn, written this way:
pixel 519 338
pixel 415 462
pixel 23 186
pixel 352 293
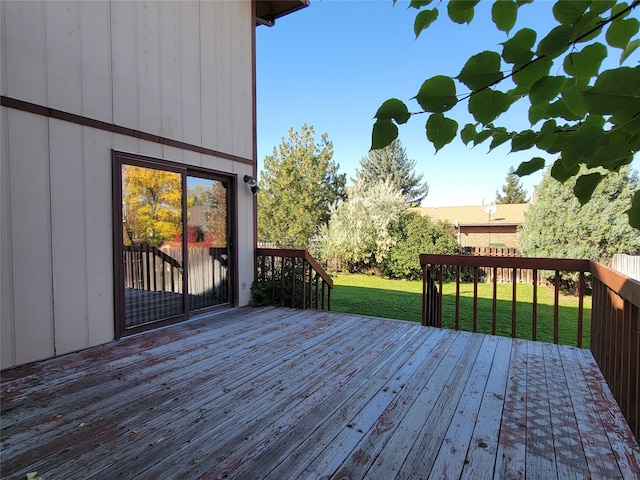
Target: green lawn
pixel 401 299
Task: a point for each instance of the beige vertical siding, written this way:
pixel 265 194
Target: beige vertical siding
pixel 180 70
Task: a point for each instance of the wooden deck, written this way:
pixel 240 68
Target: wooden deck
pixel 283 394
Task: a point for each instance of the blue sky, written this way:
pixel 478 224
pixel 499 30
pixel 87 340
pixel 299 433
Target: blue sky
pixel 333 63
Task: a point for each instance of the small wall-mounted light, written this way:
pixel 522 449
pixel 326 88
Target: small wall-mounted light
pixel 252 182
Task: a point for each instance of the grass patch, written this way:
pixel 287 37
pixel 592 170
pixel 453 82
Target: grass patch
pixel 401 299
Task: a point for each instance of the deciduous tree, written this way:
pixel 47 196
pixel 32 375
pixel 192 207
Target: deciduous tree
pixel 414 234
pixel 152 201
pixel 584 114
pixel 357 230
pixel 298 185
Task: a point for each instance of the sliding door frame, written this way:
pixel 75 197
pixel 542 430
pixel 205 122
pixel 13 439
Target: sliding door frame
pixel 118 160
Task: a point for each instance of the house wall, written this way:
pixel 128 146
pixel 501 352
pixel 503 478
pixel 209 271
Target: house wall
pixel 175 70
pixel 484 235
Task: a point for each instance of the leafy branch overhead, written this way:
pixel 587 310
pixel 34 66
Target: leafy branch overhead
pixel 584 115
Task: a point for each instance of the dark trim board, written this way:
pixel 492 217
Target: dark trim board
pixel 118 129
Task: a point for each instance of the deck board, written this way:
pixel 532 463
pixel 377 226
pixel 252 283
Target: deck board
pixel 281 393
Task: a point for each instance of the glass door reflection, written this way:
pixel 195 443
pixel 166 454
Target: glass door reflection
pixel 207 242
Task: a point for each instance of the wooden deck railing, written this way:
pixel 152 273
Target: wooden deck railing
pixel 615 311
pixel 149 268
pixel 293 278
pixel 615 337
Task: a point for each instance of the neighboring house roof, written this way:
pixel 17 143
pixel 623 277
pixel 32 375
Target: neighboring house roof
pixel 268 10
pixel 475 215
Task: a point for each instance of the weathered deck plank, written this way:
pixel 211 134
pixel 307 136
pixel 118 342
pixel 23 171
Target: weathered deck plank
pixel 282 393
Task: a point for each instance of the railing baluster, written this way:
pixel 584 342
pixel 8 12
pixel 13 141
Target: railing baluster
pixel 425 293
pixel 556 305
pixel 475 298
pixel 293 282
pixel 304 284
pixel 580 308
pixel 513 303
pixel 440 297
pixel 311 273
pixel 282 270
pixel 273 280
pixel 457 324
pixel 534 309
pixel 494 303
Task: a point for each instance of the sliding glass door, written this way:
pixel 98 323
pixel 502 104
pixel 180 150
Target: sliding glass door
pixel 207 242
pixel 172 235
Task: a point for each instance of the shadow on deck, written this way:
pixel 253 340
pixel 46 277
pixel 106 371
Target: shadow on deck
pixel 282 393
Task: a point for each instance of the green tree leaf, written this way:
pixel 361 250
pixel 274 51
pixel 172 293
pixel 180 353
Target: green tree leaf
pixel 519 48
pixel 558 109
pixel 551 138
pixel 546 89
pixel 634 211
pixel 499 137
pixel 556 42
pixel 488 104
pixel 393 109
pixel 586 185
pixel 526 77
pixel 532 166
pixel 601 6
pixel 461 11
pixel 573 100
pixel 482 136
pixel 504 14
pixel 585 63
pixel 588 27
pixel 481 70
pixel 630 48
pixel 468 133
pixel 423 20
pixel 615 92
pixel 441 130
pixel 384 132
pixel 418 4
pixel 620 32
pixel 437 94
pixel 562 172
pixel 568 12
pixel 523 141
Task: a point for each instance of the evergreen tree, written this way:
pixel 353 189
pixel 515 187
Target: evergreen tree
pixel 298 185
pixel 557 226
pixel 392 164
pixel 512 190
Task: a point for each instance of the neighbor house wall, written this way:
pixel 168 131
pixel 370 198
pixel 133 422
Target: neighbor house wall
pixel 181 71
pixel 485 235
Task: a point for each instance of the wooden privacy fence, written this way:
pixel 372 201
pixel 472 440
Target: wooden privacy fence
pixel 615 312
pixel 504 275
pixel 292 278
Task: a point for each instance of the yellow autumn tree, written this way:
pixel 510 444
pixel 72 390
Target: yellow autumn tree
pixel 152 204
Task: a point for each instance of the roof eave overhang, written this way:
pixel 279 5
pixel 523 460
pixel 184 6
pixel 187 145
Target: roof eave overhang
pixel 267 11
